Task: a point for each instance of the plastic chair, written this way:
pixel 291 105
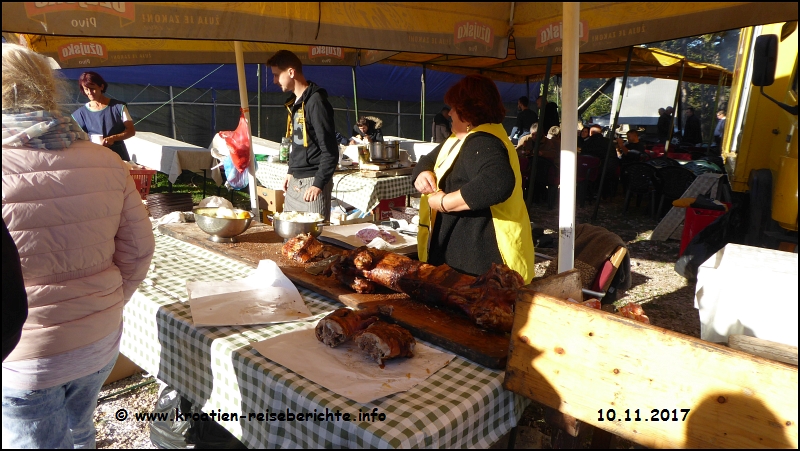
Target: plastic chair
pixel 546 180
pixel 662 162
pixel 588 172
pixel 674 182
pixel 640 178
pixel 699 167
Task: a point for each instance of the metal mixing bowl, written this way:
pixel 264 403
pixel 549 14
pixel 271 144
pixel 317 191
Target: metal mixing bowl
pixel 222 230
pixel 288 229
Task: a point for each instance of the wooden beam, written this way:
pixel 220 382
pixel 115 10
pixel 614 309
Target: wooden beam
pixel 764 348
pixel 581 361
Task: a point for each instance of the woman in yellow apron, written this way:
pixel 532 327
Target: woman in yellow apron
pixel 472 212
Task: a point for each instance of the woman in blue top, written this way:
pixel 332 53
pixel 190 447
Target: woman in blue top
pixel 106 120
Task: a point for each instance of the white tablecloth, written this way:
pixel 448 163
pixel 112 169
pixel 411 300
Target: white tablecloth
pixel 167 155
pixel 350 187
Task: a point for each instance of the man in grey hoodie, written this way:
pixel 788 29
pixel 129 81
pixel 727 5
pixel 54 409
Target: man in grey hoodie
pixel 314 152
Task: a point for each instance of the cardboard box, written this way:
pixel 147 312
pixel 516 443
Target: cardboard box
pixel 270 199
pixel 123 368
pixel 384 209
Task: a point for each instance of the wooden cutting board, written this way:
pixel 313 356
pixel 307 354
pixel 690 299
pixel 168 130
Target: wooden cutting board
pixel 387 172
pixel 444 328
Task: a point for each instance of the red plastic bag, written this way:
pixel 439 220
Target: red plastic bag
pixel 239 144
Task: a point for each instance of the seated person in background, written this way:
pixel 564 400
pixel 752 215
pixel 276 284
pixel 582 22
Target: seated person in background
pixel 551 147
pixel 367 130
pixel 526 117
pixel 526 143
pixel 440 130
pixel 597 146
pixel 631 150
pixel 583 135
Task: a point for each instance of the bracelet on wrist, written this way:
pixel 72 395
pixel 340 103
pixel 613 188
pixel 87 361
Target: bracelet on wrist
pixel 441 204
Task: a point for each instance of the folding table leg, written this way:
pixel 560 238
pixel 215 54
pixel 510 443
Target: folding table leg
pixel 204 183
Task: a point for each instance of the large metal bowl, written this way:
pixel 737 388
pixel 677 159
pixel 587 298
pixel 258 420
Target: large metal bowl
pixel 222 230
pixel 288 229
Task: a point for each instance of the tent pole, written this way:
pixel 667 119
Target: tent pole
pixel 714 119
pixel 528 87
pixel 172 114
pixel 251 169
pixel 355 92
pixel 610 153
pixel 398 119
pixel 258 74
pixel 675 107
pixel 534 159
pixel 569 140
pixel 213 113
pixel 588 102
pixel 423 102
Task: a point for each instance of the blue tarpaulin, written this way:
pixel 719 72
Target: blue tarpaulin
pixel 376 81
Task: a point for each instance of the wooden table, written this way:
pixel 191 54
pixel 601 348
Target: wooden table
pixel 168 155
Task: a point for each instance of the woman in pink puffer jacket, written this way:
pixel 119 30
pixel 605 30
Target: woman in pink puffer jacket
pixel 85 243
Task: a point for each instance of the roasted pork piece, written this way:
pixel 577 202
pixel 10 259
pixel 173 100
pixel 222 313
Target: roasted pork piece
pixel 343 324
pixel 488 300
pixel 634 311
pixel 302 248
pixel 382 341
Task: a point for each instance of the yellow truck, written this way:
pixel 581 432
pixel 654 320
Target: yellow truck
pixel 759 144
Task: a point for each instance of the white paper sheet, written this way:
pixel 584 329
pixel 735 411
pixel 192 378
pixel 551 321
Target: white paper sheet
pixel 346 370
pixel 266 296
pixel 345 236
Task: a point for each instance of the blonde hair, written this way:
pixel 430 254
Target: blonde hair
pixel 28 81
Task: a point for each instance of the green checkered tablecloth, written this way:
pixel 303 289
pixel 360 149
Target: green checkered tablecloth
pixel 363 193
pixel 461 405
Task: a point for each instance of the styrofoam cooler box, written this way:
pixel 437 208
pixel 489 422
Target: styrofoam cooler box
pixel 744 290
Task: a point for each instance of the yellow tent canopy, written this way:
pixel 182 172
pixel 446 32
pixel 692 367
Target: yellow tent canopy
pixel 457 28
pixel 645 62
pixel 79 52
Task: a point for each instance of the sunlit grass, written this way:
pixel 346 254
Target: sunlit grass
pixel 189 182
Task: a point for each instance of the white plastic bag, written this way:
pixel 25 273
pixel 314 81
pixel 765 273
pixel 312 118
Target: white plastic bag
pixel 215 201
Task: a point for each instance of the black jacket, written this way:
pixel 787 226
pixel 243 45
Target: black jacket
pixel 691 132
pixel 15 299
pixel 525 119
pixel 466 240
pixel 440 129
pixel 320 154
pixel 373 130
pixel 664 122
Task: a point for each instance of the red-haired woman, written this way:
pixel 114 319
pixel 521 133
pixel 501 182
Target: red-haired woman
pixel 472 213
pixel 106 120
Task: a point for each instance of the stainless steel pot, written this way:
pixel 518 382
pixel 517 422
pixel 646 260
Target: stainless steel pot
pixel 391 150
pixel 376 151
pixel 288 229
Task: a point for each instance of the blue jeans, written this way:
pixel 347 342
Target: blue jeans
pixel 55 417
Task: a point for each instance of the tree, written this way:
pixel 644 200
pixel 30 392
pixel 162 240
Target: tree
pixel 715 48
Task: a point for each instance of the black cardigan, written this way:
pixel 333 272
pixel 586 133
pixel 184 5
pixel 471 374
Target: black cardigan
pixel 466 240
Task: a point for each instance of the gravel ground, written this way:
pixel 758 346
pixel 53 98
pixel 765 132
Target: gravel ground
pixel 667 298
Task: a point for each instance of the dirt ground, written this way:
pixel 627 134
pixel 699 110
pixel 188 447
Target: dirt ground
pixel 667 298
